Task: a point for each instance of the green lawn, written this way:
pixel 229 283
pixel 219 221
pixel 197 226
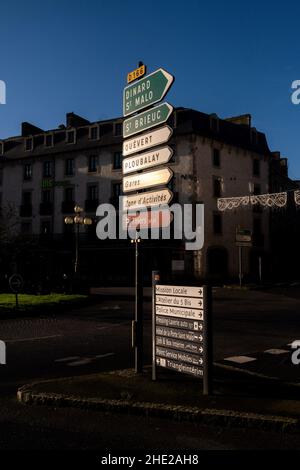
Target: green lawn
pixel 35 302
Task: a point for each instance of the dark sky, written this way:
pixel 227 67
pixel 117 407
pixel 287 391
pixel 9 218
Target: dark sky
pixel 228 57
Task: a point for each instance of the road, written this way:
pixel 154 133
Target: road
pixel 98 338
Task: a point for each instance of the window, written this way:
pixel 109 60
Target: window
pixel 69 194
pixel 117 163
pixel 94 132
pixel 256 167
pixel 217 187
pixel 216 157
pixel 26 228
pixel 214 123
pixel 217 224
pixel 92 192
pixel 45 228
pixel 46 196
pixel 118 128
pixel 27 198
pixel 93 163
pixel 70 138
pixel 27 171
pixel 1 148
pixel 28 144
pixel 257 226
pixel 256 189
pixel 69 167
pixel 49 140
pixel 47 169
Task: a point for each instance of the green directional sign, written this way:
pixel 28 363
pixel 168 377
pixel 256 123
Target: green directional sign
pixel 146 92
pixel 146 120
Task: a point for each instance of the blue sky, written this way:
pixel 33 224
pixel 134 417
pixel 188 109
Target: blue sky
pixel 228 57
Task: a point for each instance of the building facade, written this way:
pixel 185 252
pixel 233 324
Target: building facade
pixel 43 174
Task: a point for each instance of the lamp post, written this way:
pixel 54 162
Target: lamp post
pixel 78 220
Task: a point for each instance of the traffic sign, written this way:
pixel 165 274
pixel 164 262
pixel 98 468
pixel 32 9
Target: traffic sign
pixel 148 119
pixel 147 160
pixel 16 283
pixel 189 313
pixel 180 367
pixel 148 140
pixel 186 291
pixel 147 199
pixel 173 322
pixel 147 179
pixel 179 344
pixel 179 334
pixel 188 302
pixel 146 92
pixel 148 219
pixel 179 356
pixel 137 73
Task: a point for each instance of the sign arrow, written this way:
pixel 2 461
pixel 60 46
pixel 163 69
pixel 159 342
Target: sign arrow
pixel 146 92
pixel 146 120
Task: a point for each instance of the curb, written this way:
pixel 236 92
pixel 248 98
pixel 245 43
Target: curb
pixel 255 374
pixel 207 416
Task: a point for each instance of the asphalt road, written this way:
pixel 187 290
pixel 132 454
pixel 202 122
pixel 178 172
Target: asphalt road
pixel 98 338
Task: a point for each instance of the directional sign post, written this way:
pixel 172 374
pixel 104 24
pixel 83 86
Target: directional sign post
pixel 182 338
pixel 146 120
pixel 146 92
pixel 138 96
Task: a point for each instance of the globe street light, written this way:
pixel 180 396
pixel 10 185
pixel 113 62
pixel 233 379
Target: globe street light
pixel 78 220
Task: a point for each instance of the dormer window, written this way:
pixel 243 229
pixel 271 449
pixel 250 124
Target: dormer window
pixel 71 137
pixel 29 144
pixel 214 123
pixel 94 132
pixel 49 140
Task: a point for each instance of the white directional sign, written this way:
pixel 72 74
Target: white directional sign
pixel 189 313
pixel 180 290
pixel 146 160
pixel 145 141
pixel 187 302
pixel 148 199
pixel 147 179
pixel 179 356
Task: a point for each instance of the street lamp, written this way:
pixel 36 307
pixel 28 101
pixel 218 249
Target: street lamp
pixel 78 220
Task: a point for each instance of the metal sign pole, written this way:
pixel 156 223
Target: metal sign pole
pixel 138 308
pixel 240 266
pixel 207 341
pixel 155 281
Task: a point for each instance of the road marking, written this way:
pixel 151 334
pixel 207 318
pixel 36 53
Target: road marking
pixel 67 359
pixel 276 351
pixel 87 360
pixel 39 338
pixel 240 359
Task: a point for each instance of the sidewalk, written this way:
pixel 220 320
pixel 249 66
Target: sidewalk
pixel 173 396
